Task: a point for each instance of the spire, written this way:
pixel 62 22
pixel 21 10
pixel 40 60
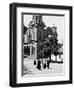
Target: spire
pixel 37 20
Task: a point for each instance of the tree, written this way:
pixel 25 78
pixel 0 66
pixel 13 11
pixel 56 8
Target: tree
pixel 52 45
pixel 49 46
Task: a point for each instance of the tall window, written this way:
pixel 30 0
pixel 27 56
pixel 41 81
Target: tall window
pixel 29 36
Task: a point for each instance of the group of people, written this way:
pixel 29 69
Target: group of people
pixel 40 64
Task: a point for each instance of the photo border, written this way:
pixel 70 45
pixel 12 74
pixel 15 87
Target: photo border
pixel 22 14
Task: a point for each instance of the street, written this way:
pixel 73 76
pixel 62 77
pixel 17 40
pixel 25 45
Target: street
pixel 30 68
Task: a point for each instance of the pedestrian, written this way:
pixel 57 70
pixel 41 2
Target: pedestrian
pixel 34 62
pixel 44 65
pixel 48 63
pixel 39 65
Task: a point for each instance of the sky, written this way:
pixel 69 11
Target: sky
pixel 58 21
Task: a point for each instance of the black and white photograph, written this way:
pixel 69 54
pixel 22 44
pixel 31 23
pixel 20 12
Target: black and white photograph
pixel 40 44
pixel 42 48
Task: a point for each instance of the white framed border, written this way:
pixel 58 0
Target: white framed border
pixel 66 46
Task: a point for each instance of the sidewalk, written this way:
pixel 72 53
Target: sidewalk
pixel 32 70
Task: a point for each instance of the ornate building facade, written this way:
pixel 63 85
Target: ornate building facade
pixel 35 34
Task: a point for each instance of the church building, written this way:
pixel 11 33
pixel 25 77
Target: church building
pixel 35 34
